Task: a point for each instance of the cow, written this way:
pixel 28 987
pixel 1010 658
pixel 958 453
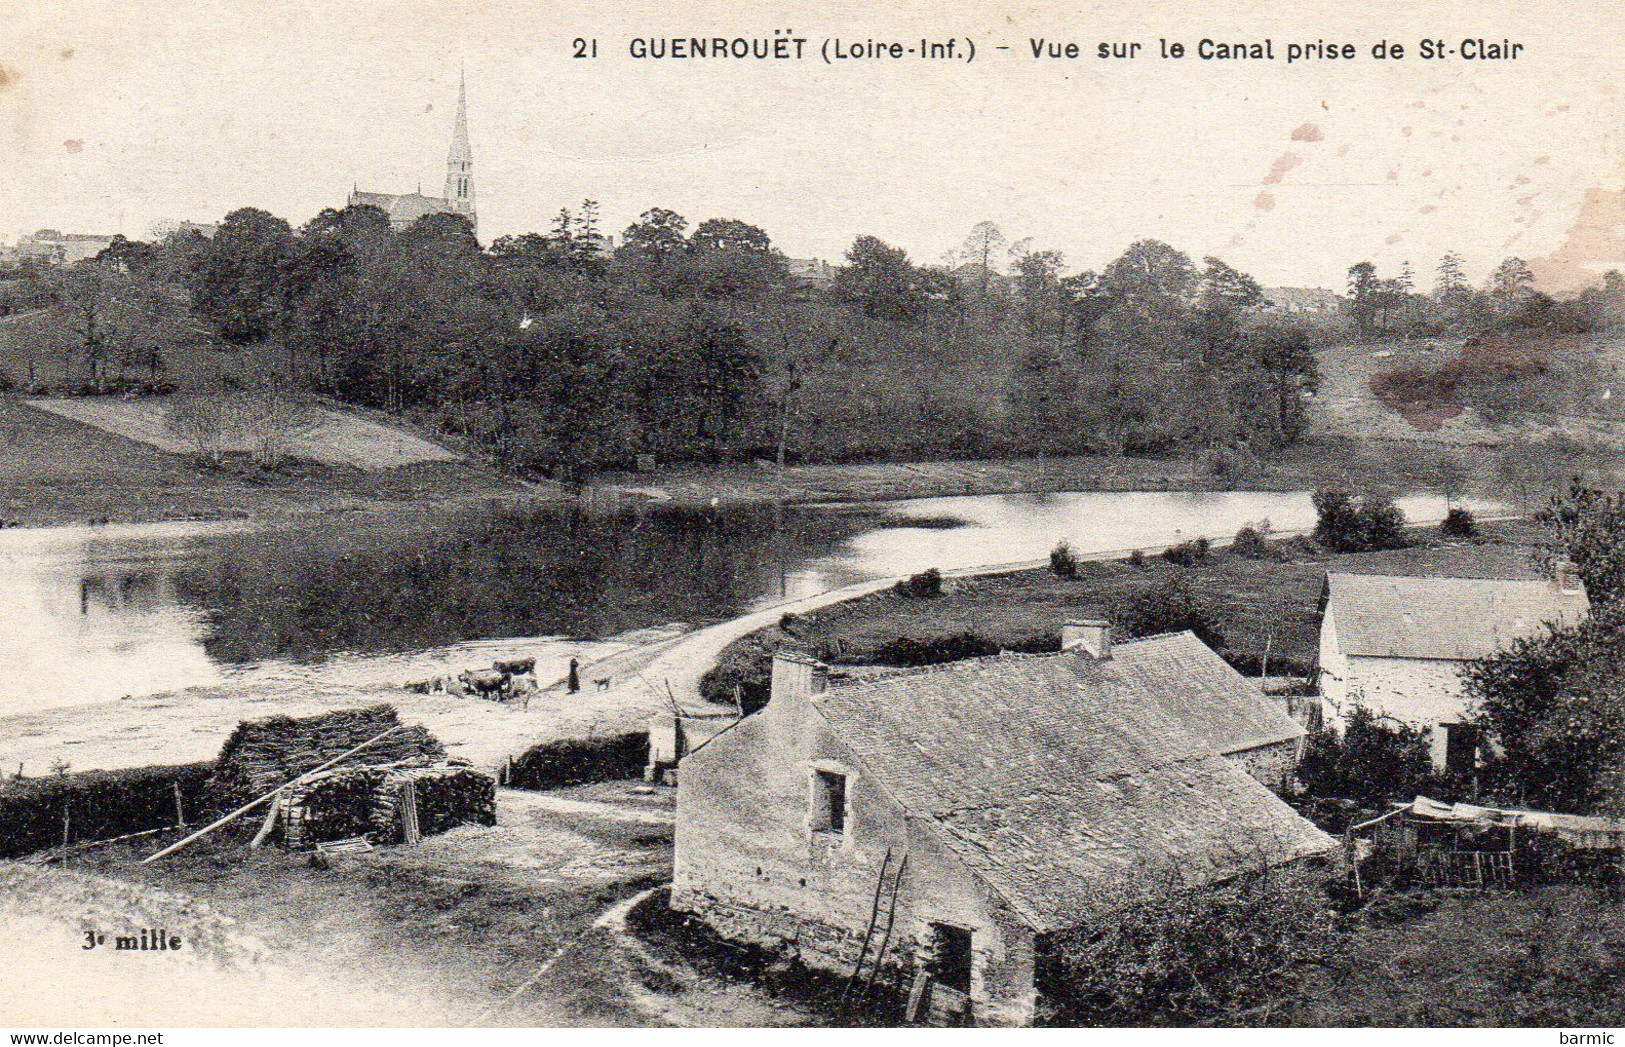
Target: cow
pixel 485 682
pixel 514 666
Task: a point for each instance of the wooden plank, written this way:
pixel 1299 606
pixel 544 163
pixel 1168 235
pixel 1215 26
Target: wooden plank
pixel 410 835
pixel 917 994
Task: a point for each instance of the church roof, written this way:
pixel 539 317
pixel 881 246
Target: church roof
pixel 403 208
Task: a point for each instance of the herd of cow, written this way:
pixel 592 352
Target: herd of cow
pixel 507 678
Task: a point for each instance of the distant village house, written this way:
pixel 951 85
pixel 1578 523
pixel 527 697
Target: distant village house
pixel 937 823
pixel 1302 300
pixel 1396 644
pixel 51 247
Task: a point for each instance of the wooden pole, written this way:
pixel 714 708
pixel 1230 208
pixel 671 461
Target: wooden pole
pixel 268 826
pixel 250 805
pixel 180 810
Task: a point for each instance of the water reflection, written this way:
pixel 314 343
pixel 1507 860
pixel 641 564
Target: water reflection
pixel 92 614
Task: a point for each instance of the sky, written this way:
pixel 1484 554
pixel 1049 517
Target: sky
pixel 115 115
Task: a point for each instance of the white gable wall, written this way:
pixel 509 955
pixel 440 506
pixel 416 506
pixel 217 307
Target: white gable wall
pixel 1422 692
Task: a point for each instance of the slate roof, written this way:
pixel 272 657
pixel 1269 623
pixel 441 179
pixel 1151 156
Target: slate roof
pixel 1052 775
pixel 1446 619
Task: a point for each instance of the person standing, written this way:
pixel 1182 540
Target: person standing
pixel 573 683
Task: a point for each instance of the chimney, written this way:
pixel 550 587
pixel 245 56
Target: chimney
pixel 1093 637
pixel 797 676
pixel 1565 576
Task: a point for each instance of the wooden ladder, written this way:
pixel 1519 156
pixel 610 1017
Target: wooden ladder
pixel 885 896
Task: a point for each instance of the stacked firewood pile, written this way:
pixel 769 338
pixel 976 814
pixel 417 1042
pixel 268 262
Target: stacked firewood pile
pixel 263 754
pixel 332 805
pixel 367 801
pixel 445 796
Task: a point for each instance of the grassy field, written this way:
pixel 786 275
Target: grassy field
pixel 55 470
pixel 1520 475
pixel 337 438
pixel 1265 609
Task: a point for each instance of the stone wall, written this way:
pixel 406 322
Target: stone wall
pixel 1272 765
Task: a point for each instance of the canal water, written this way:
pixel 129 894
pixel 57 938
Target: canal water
pixel 90 614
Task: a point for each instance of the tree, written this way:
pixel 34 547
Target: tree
pixel 1284 371
pixel 1554 705
pixel 1224 296
pixel 1589 523
pixel 1171 605
pixel 1372 760
pixel 657 235
pixel 1363 296
pixel 1347 524
pixel 652 246
pixel 209 422
pixel 1150 275
pixel 724 373
pixel 237 282
pixel 1510 284
pixel 447 239
pixel 270 415
pixel 729 258
pixel 880 280
pixel 981 247
pixel 1454 296
pixel 1038 281
pixel 1450 275
pixel 98 316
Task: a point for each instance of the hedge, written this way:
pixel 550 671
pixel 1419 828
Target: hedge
pixel 99 804
pixel 577 761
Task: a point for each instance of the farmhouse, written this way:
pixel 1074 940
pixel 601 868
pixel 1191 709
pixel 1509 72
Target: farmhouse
pixel 933 825
pixel 1396 643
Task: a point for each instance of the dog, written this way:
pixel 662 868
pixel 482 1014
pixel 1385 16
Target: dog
pixel 603 684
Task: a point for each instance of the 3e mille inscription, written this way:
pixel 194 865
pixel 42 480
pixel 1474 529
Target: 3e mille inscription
pixel 148 939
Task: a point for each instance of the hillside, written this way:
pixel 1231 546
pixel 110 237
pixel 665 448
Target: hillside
pixel 55 470
pixel 1481 391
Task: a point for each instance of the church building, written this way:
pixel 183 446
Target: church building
pixel 458 197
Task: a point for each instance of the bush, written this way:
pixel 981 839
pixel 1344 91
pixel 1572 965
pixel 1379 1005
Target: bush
pixel 1371 762
pixel 1187 554
pixel 1252 543
pixel 1063 561
pixel 577 761
pixel 1171 954
pixel 926 584
pixel 1459 523
pixel 99 805
pixel 1171 606
pixel 1345 524
pixel 1136 558
pixel 912 651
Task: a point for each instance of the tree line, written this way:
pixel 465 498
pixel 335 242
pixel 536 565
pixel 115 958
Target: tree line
pixel 562 356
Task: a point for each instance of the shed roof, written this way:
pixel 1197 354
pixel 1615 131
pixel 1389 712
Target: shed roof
pixel 1050 774
pixel 1443 619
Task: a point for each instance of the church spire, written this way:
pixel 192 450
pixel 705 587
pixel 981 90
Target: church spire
pixel 460 160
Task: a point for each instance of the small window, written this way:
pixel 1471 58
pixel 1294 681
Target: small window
pixel 1460 748
pixel 951 956
pixel 829 799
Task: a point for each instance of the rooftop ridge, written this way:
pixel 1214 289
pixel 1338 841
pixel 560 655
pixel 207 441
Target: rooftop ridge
pixel 892 672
